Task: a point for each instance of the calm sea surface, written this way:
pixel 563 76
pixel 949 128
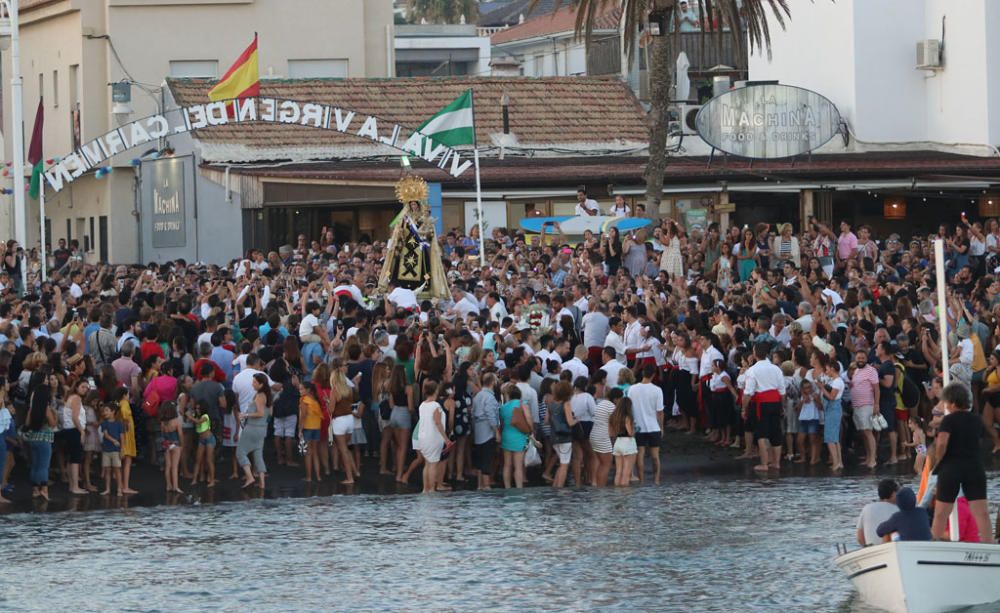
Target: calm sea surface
pixel 710 545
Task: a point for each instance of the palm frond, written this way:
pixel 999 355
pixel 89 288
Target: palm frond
pixel 733 16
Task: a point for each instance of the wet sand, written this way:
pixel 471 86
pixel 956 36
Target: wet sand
pixel 685 458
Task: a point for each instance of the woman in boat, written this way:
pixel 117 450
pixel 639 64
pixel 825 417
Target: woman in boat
pixel 961 463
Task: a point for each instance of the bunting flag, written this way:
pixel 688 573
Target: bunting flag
pixel 453 125
pixel 35 159
pixel 242 80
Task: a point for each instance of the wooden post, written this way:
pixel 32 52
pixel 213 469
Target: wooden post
pixel 724 209
pixel 807 207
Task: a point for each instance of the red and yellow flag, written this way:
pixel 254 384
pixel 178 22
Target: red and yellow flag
pixel 242 80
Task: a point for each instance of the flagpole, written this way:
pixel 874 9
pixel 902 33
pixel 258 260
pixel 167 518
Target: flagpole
pixel 42 253
pixel 479 187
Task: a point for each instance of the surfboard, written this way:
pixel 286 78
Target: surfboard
pixel 576 226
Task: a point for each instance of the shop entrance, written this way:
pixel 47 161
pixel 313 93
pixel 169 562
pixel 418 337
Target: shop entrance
pixel 365 223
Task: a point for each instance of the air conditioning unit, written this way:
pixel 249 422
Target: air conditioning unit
pixel 688 112
pixel 929 54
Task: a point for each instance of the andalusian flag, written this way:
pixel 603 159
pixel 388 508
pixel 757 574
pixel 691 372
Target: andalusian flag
pixel 453 125
pixel 242 80
pixel 35 152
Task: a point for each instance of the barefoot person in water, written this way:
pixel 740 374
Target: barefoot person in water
pixel 765 387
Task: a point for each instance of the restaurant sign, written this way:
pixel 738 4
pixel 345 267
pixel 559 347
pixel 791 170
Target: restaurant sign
pixel 91 155
pixel 768 121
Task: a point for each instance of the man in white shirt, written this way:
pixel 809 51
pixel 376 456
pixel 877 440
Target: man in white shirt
pixel 243 383
pixel 763 394
pixel 805 317
pixel 576 365
pixel 521 377
pixel 310 330
pixel 614 338
pixel 402 297
pixel 611 366
pixel 585 206
pixel 595 331
pixel 634 342
pixel 74 288
pixel 465 305
pixel 647 410
pixel 496 307
pixel 874 513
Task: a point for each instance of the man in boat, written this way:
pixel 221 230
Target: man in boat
pixel 764 394
pixel 910 522
pixel 875 513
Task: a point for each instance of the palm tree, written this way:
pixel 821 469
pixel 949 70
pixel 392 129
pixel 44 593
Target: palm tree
pixel 735 16
pixel 443 11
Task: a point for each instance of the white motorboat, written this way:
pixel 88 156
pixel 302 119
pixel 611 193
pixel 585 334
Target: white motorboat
pixel 924 576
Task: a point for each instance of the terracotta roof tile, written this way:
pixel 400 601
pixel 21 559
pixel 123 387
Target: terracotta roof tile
pixel 562 20
pixel 557 113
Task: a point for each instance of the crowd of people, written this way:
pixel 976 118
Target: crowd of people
pixel 566 358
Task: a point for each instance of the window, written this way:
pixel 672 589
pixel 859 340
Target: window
pixel 55 88
pixel 92 234
pixel 317 69
pixel 539 65
pixel 194 68
pixel 69 231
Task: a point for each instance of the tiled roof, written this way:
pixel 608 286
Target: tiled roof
pixel 563 20
pixel 555 115
pixel 510 12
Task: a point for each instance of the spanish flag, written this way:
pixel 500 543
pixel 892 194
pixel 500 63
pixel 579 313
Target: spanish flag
pixel 242 80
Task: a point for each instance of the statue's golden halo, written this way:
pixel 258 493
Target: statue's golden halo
pixel 411 187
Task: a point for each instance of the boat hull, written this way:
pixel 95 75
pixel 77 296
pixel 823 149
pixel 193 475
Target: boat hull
pixel 924 577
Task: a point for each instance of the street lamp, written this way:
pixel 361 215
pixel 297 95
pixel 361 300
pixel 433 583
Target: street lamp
pixel 9 27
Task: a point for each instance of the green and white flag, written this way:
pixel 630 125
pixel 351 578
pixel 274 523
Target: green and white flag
pixel 452 126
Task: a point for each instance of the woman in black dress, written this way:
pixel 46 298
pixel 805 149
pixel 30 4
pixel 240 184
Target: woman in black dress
pixel 611 249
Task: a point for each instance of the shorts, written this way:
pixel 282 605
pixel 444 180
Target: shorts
pixel 358 436
pixel 863 417
pixel 207 441
pixel 808 426
pixel 70 437
pixel 343 425
pixel 284 427
pixel 483 455
pixel 581 431
pixel 310 435
pixel 564 451
pixel 889 414
pixel 111 459
pixel 625 445
pixel 769 425
pixel 648 439
pixel 951 477
pixel 400 418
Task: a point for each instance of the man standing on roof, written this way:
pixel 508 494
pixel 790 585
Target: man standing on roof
pixel 584 205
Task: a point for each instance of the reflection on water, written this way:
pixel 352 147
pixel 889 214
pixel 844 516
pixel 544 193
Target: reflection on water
pixel 690 546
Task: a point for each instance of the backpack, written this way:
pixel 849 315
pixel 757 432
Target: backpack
pixel 907 390
pixel 151 404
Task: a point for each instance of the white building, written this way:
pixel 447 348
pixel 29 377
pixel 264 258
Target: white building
pixel 863 57
pixel 72 50
pixel 547 46
pixel 446 50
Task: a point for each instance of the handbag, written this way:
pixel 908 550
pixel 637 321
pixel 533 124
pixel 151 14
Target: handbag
pixel 879 423
pixel 532 457
pixel 519 421
pixel 385 409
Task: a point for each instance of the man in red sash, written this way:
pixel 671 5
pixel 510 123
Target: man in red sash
pixel 765 388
